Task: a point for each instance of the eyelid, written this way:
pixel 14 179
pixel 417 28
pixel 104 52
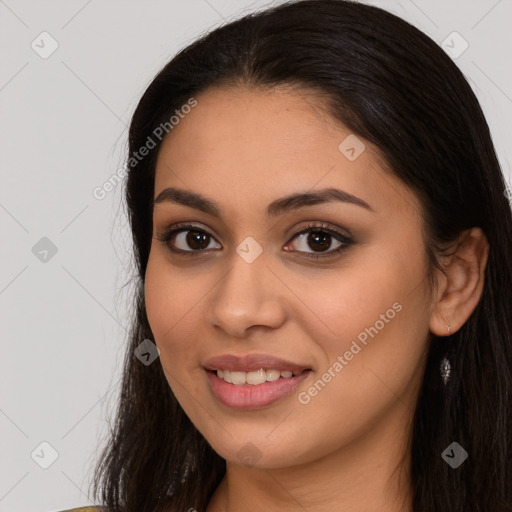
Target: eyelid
pixel 173 230
pixel 345 240
pixel 321 226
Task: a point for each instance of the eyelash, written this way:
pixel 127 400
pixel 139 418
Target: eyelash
pixel 167 236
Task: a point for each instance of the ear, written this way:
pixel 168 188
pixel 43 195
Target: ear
pixel 460 289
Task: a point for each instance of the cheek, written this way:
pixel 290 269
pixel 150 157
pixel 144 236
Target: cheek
pixel 359 304
pixel 158 297
pixel 171 304
pixel 374 326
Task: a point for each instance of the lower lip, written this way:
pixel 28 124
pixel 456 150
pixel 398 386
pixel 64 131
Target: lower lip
pixel 247 396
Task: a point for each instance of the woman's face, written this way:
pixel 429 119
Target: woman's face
pixel 243 288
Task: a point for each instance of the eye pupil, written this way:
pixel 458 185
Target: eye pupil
pixel 192 240
pixel 315 236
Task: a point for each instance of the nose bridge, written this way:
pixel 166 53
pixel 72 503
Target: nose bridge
pixel 246 296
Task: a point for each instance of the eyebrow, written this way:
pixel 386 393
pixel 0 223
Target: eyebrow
pixel 274 209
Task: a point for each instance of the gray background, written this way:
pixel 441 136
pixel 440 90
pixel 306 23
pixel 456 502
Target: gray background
pixel 63 133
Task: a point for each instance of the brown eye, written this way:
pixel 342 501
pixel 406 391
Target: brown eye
pixel 320 239
pixel 197 240
pixel 187 239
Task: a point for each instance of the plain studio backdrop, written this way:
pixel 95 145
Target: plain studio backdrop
pixel 72 73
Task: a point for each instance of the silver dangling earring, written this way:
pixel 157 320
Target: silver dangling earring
pixel 446 367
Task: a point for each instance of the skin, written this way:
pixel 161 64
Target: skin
pixel 350 443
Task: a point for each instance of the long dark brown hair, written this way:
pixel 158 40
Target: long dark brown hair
pixel 394 86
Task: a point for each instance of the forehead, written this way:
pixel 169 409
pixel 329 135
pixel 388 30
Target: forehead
pixel 239 121
pixel 240 142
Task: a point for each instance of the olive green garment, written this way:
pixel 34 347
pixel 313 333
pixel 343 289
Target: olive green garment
pixel 82 509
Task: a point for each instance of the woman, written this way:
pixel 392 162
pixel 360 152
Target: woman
pixel 323 245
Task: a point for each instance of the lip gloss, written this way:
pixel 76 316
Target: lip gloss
pixel 247 396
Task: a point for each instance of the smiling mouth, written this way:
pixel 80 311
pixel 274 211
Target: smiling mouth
pixel 254 378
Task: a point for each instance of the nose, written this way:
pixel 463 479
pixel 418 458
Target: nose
pixel 248 296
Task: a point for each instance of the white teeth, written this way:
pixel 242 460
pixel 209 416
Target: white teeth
pixel 273 375
pixel 255 377
pixel 238 378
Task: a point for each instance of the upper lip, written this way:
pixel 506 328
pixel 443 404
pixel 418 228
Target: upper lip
pixel 252 362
